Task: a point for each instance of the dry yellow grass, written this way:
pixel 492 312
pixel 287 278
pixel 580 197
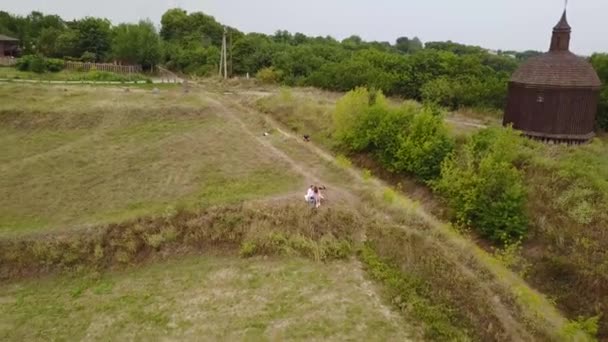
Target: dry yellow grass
pixel 89 155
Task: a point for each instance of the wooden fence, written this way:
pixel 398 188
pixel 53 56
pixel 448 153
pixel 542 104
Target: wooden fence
pixel 8 61
pixel 120 69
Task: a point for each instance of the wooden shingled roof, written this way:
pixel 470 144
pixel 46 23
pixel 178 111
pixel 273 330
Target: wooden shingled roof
pixel 4 38
pixel 557 68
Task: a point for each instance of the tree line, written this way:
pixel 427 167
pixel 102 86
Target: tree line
pixel 88 39
pixel 446 73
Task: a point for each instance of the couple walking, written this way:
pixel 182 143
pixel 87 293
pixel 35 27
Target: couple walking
pixel 313 195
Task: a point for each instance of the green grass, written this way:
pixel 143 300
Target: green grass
pixel 92 155
pixel 302 114
pixel 69 75
pixel 411 295
pixel 211 297
pixel 462 290
pixel 101 154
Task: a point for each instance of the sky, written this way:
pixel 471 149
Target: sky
pixel 494 24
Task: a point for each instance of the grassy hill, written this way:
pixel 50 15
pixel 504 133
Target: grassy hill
pixel 74 156
pixel 564 254
pixel 125 203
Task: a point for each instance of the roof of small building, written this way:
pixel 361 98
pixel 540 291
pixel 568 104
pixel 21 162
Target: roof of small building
pixel 4 38
pixel 557 68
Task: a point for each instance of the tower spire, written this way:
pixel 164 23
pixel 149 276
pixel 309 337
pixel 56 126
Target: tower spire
pixel 561 33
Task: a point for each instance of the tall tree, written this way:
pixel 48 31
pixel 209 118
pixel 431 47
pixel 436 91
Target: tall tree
pixel 94 36
pixel 136 44
pixel 174 23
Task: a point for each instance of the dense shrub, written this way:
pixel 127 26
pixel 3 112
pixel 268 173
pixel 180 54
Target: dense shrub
pixel 349 120
pixel 39 64
pixel 486 92
pixel 35 63
pixel 269 75
pixel 88 57
pixel 408 139
pixel 54 65
pixel 484 188
pixel 600 63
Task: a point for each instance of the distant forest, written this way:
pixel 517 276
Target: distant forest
pixel 447 73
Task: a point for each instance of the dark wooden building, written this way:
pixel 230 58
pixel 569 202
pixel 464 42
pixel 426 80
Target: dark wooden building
pixel 8 46
pixel 554 96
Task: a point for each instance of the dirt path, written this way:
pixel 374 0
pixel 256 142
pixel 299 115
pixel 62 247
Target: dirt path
pixel 311 175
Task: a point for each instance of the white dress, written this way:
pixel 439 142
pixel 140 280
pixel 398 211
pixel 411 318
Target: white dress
pixel 310 195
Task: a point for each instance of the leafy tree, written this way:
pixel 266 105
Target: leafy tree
pixel 205 27
pixel 282 37
pixel 456 48
pixel 406 45
pixel 600 63
pixel 94 36
pixel 423 145
pixel 484 188
pixel 67 44
pixel 522 56
pixel 300 38
pixel 47 43
pixel 350 116
pixel 352 42
pixel 175 24
pixel 251 53
pixel 416 44
pixel 136 44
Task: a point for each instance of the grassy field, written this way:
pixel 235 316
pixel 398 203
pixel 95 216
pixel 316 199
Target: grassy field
pixel 210 298
pixel 118 180
pixel 88 155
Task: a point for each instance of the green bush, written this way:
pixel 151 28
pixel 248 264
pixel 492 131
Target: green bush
pixel 269 75
pixel 600 63
pixel 411 295
pixel 54 65
pixel 423 146
pixel 39 64
pixel 466 91
pixel 440 91
pixel 410 138
pixel 484 188
pixel 355 116
pixel 23 64
pixel 35 63
pixel 88 57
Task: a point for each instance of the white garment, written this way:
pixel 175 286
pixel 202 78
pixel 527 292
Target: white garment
pixel 309 195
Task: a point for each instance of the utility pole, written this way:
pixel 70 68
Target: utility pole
pixel 231 70
pixel 225 55
pixel 224 58
pixel 221 59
